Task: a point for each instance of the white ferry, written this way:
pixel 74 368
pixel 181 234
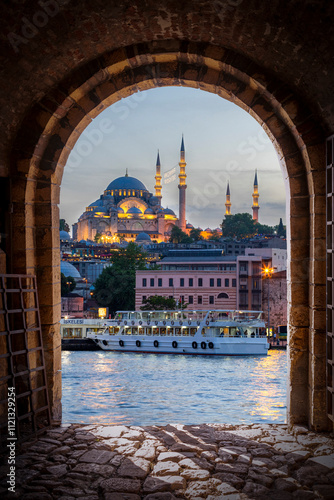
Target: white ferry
pixel 217 332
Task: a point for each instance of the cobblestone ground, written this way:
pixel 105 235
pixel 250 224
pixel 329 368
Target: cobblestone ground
pixel 175 461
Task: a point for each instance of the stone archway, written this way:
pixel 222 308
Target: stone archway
pixel 52 127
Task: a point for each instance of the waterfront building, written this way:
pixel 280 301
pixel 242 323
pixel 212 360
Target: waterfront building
pixel 72 305
pixel 277 287
pixel 207 279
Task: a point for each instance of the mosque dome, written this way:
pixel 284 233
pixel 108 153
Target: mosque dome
pixel 168 211
pixel 64 236
pixel 154 200
pixel 69 270
pixel 134 210
pixel 141 237
pixel 113 209
pixel 126 182
pixel 149 211
pixel 120 210
pixel 97 203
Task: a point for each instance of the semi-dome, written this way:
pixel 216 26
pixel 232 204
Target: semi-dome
pixel 64 236
pixel 134 210
pixel 149 211
pixel 69 270
pixel 126 182
pixel 143 237
pixel 120 210
pixel 168 211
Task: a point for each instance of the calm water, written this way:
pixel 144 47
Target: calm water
pixel 145 389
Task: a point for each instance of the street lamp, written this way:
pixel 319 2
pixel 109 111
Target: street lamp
pixel 267 273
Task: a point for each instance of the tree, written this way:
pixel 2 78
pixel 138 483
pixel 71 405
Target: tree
pixel 280 229
pixel 178 236
pixel 195 234
pixel 63 226
pixel 115 287
pixel 97 237
pixel 238 225
pixel 263 229
pixel 158 303
pixel 215 235
pixel 67 284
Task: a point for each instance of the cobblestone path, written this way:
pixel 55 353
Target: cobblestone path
pixel 175 461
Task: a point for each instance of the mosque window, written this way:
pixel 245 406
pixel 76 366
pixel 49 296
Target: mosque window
pixel 112 193
pixel 120 192
pixel 129 193
pixel 133 193
pixel 141 193
pixel 124 193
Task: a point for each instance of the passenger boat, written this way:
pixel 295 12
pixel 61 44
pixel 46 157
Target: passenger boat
pixel 74 333
pixel 216 332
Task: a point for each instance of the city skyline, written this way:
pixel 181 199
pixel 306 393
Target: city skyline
pixel 223 144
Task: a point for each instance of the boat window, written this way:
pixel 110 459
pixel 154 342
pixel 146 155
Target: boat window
pixel 232 331
pixel 185 331
pixel 170 331
pixel 178 331
pixel 193 331
pixel 148 331
pixel 162 331
pixel 127 330
pixel 141 331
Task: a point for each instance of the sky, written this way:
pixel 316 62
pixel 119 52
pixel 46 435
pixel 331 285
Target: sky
pixel 222 142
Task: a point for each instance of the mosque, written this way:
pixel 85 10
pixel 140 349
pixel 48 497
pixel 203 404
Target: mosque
pixel 127 211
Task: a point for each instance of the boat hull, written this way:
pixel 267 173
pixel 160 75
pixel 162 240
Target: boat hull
pixel 204 347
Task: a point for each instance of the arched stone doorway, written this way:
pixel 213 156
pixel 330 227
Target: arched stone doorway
pixel 201 55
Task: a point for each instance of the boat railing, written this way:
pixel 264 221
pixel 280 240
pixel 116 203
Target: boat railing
pixel 187 315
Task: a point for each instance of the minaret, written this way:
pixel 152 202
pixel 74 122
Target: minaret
pixel 182 188
pixel 157 186
pixel 255 195
pixel 228 201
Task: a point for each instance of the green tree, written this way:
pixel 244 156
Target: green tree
pixel 63 226
pixel 238 226
pixel 115 287
pixel 67 284
pixel 280 229
pixel 159 303
pixel 97 237
pixel 264 229
pixel 195 234
pixel 178 236
pixel 215 235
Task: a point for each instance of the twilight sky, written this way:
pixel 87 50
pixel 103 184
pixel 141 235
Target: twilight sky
pixel 222 142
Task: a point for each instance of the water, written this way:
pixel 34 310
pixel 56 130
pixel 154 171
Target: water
pixel 144 389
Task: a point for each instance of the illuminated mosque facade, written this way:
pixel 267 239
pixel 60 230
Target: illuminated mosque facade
pixel 127 211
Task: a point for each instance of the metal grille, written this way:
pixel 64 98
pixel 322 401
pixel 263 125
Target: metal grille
pixel 330 274
pixel 22 363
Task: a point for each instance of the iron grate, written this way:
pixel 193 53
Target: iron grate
pixel 330 274
pixel 22 363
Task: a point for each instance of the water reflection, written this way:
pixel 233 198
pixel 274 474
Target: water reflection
pixel 145 389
